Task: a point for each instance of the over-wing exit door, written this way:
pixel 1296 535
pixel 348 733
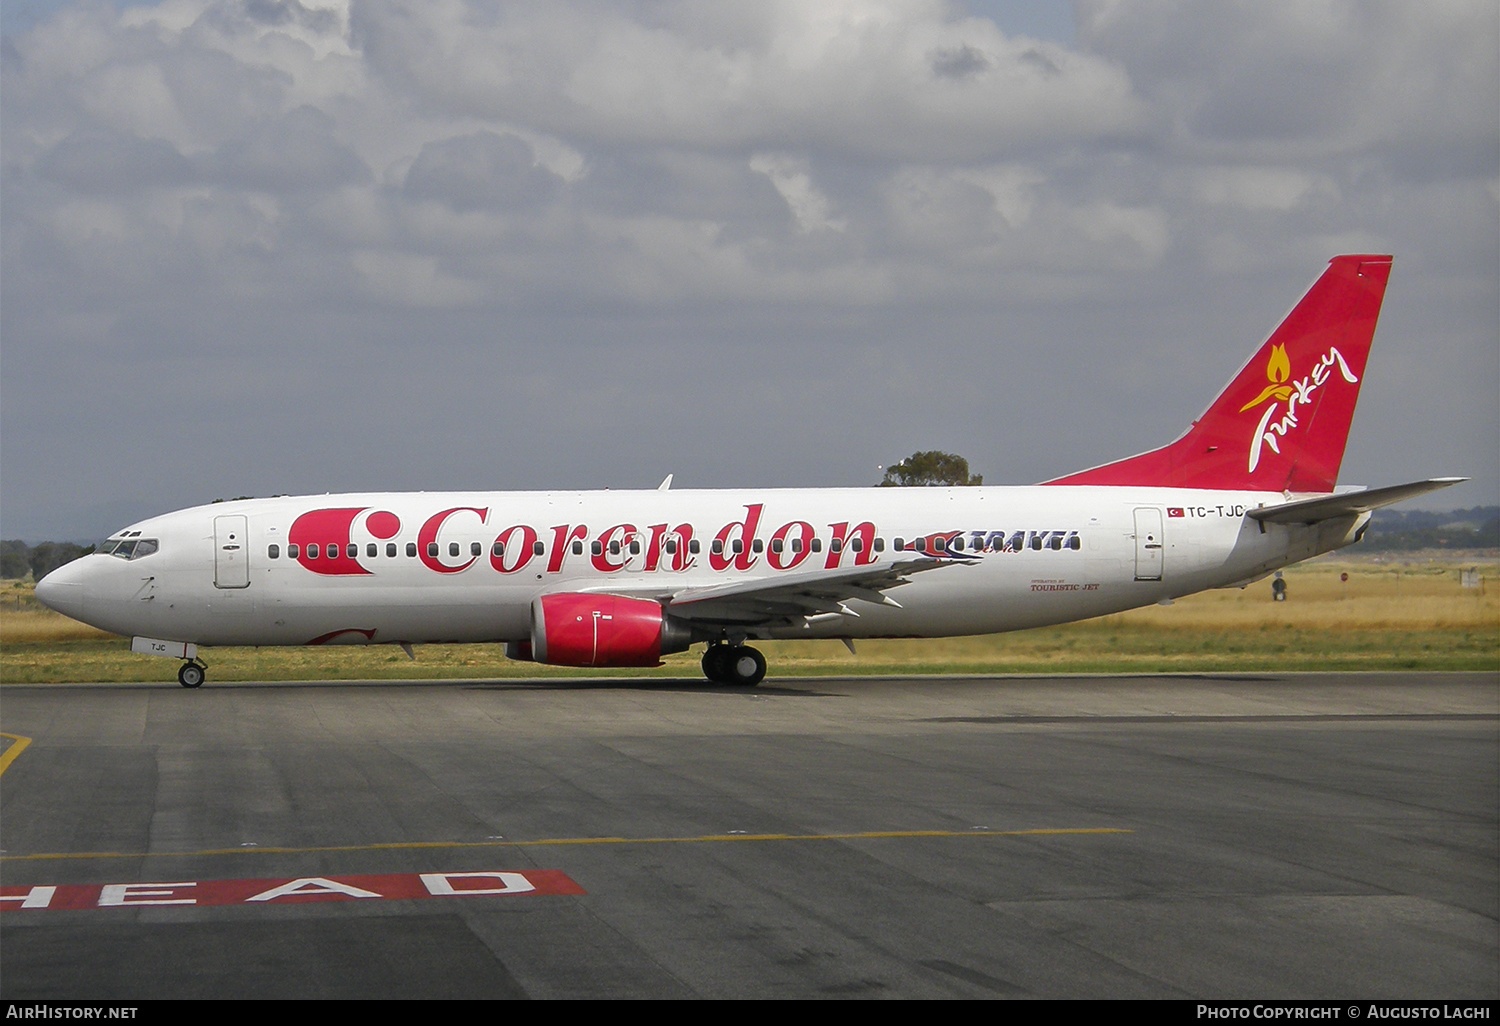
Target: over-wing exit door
pixel 1148 545
pixel 231 553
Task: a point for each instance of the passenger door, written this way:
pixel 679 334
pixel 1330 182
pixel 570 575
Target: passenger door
pixel 231 552
pixel 1148 545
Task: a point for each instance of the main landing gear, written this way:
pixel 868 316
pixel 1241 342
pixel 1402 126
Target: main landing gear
pixel 736 665
pixel 192 674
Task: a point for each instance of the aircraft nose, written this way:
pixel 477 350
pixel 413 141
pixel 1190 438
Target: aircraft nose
pixel 62 590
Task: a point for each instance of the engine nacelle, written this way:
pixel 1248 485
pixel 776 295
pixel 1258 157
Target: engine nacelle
pixel 603 630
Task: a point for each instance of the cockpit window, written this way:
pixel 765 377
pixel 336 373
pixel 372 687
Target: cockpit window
pixel 130 548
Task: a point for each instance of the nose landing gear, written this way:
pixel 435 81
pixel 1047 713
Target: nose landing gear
pixel 192 674
pixel 736 665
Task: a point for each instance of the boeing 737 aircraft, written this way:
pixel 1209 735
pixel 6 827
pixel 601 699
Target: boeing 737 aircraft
pixel 620 578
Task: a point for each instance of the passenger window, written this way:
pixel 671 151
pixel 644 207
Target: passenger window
pixel 879 544
pixel 372 550
pixel 411 549
pixel 900 544
pixel 921 544
pixel 1056 544
pixel 796 544
pixel 498 549
pixel 1074 543
pixel 578 548
pixel 635 548
pixel 758 545
pixel 313 549
pixel 597 548
pixel 836 546
pixel 352 551
pixel 717 548
pixel 432 550
pixel 671 546
pixel 475 548
pixel 537 548
pixel 1036 543
pixel 291 552
pixel 694 547
pixel 857 544
pixel 817 544
pixel 614 548
pixel 273 551
pixel 390 549
pixel 453 548
pixel 776 545
pixel 739 546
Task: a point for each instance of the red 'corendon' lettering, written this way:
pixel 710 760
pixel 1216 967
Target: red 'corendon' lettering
pixel 519 550
pixel 679 537
pixel 329 529
pixel 429 533
pixel 561 536
pixel 683 559
pixel 745 558
pixel 844 538
pixel 620 536
pixel 655 546
pixel 790 554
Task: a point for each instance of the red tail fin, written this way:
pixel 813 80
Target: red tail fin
pixel 1282 423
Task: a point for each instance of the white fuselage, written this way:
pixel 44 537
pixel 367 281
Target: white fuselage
pixel 424 567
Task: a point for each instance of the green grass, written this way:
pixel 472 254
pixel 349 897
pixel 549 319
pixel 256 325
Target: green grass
pixel 1388 616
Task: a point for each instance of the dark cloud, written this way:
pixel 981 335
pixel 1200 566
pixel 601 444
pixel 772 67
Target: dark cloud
pixel 101 161
pixel 479 171
pixel 295 152
pixel 958 63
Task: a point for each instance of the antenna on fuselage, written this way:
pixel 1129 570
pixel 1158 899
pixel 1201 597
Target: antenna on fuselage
pixel 666 484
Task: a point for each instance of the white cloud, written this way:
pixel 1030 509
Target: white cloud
pixel 794 182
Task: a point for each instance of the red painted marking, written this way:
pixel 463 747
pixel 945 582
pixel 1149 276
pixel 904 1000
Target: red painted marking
pixel 291 890
pixel 429 533
pixel 383 525
pixel 329 529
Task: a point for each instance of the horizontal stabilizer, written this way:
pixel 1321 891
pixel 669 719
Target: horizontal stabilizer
pixel 1330 507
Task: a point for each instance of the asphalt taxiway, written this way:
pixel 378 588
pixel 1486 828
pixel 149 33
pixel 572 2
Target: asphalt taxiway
pixel 1300 835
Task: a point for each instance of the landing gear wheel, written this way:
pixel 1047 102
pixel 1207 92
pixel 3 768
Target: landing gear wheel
pixel 716 663
pixel 745 667
pixel 191 675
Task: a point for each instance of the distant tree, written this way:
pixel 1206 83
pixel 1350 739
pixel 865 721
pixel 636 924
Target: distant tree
pixel 48 556
pixel 930 469
pixel 13 562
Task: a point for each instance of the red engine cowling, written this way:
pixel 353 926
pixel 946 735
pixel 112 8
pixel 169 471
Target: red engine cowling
pixel 603 630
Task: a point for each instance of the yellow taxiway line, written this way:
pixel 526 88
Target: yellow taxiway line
pixel 16 747
pixel 563 841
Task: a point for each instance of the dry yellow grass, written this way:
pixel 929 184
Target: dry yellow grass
pixel 36 625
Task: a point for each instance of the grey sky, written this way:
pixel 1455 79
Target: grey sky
pixel 256 247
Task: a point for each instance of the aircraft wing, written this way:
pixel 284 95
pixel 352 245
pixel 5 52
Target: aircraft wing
pixel 1330 507
pixel 819 594
pixel 823 593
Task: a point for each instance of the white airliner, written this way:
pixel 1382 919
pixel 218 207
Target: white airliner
pixel 619 578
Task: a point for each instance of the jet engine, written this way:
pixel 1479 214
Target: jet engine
pixel 603 630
